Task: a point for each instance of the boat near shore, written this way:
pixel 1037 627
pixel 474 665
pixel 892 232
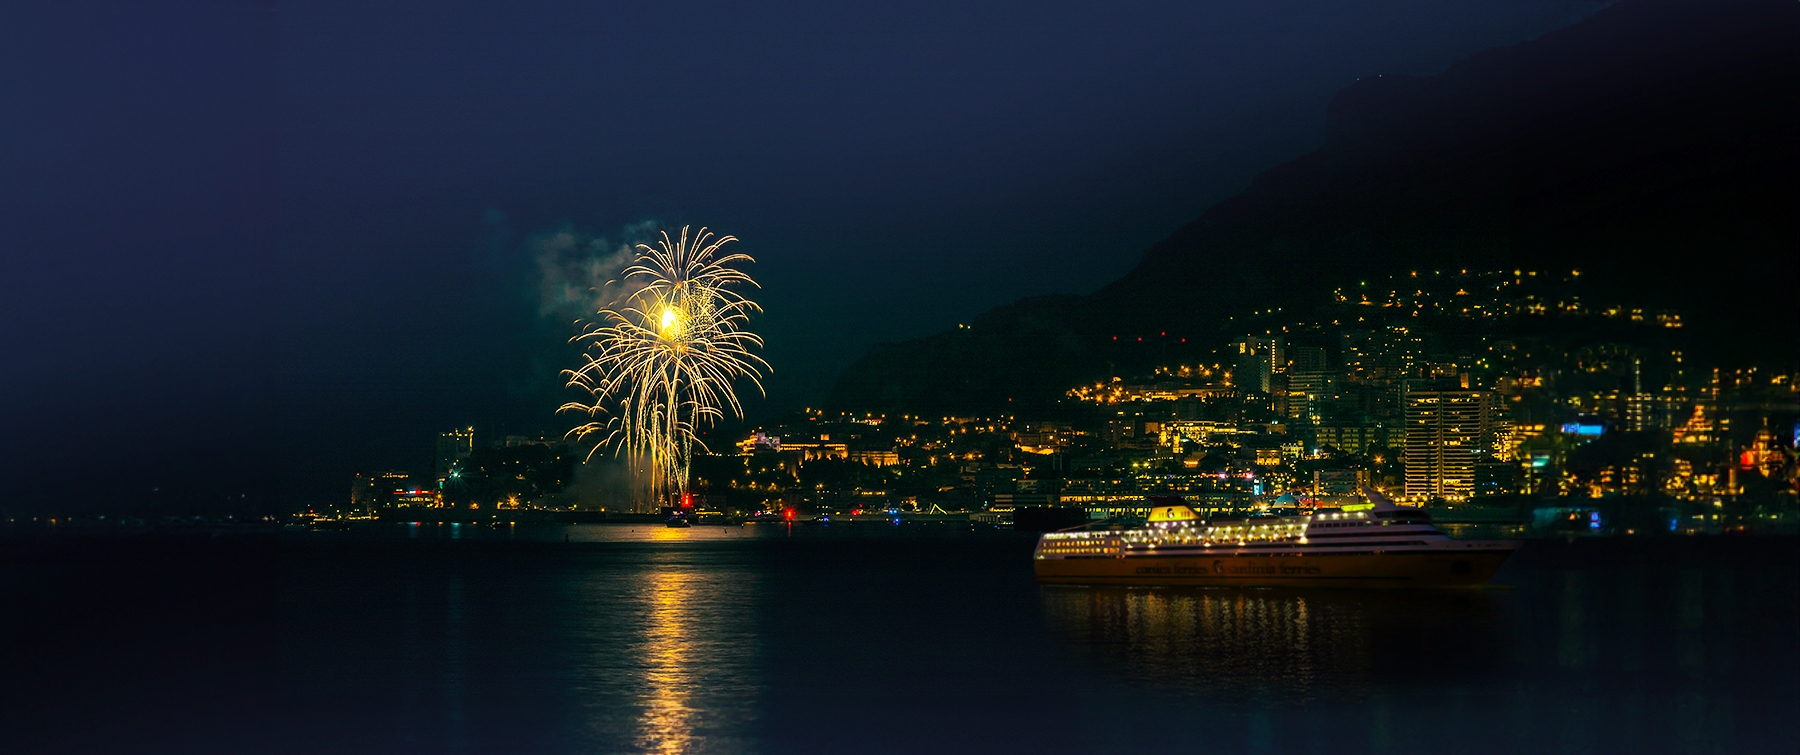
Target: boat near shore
pixel 1376 543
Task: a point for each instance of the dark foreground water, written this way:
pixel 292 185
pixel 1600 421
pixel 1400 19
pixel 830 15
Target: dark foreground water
pixel 915 639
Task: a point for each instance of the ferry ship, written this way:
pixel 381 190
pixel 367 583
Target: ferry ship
pixel 1368 544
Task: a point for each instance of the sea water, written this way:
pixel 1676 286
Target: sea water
pixel 915 638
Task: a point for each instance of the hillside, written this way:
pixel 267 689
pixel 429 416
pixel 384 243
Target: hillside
pixel 1652 146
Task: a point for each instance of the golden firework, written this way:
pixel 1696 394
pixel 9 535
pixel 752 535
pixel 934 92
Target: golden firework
pixel 664 362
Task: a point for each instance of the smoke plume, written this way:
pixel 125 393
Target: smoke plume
pixel 578 272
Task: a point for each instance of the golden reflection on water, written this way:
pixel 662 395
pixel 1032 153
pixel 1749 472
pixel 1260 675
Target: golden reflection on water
pixel 667 723
pixel 1297 643
pixel 654 533
pixel 694 657
pixel 669 533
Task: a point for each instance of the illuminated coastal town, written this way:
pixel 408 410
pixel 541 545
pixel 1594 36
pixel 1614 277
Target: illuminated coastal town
pixel 721 378
pixel 1460 391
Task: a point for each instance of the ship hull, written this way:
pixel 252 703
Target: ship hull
pixel 1443 568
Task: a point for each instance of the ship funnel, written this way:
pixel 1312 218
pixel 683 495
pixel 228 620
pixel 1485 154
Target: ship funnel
pixel 1163 513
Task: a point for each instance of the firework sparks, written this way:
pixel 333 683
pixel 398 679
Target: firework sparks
pixel 663 363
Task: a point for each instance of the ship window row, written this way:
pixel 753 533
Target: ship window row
pixel 1061 550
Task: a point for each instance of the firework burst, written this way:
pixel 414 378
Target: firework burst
pixel 662 364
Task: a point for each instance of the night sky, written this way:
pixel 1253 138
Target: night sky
pixel 249 248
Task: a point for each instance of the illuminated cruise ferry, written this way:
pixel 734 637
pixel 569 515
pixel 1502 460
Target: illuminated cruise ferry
pixel 1372 544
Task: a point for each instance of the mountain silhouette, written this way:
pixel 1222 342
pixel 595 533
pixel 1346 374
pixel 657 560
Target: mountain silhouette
pixel 1651 146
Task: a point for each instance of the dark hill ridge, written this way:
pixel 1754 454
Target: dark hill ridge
pixel 1652 146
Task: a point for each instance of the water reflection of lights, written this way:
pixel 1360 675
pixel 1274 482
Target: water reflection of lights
pixel 645 533
pixel 696 690
pixel 667 722
pixel 669 533
pixel 1289 644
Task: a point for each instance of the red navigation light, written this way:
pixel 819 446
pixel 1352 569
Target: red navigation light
pixel 788 514
pixel 687 500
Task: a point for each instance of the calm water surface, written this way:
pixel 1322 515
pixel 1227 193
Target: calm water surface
pixel 870 638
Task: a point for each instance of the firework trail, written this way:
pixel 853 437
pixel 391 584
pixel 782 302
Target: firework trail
pixel 663 362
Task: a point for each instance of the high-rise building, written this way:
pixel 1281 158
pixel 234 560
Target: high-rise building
pixel 1278 394
pixel 1258 358
pixel 1403 353
pixel 453 447
pixel 1309 393
pixel 1352 438
pixel 1646 411
pixel 1445 431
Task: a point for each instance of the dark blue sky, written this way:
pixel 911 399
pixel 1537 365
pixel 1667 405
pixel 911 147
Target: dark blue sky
pixel 251 247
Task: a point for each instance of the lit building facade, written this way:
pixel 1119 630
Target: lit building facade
pixel 1257 361
pixel 1353 439
pixel 1309 393
pixel 372 490
pixel 453 447
pixel 1445 431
